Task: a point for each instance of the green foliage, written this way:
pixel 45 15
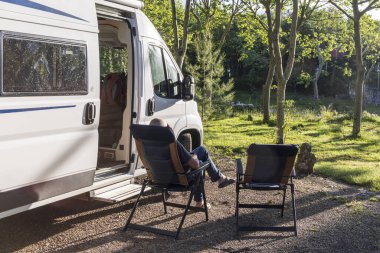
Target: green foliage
pixel 354 161
pixel 304 79
pixel 370 117
pixel 328 30
pixel 113 60
pixel 160 13
pixel 327 113
pixel 214 95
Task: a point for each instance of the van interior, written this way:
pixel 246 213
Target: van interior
pixel 115 95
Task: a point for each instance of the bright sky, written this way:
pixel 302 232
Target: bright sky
pixel 376 14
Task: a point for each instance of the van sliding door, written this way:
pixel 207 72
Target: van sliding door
pixel 49 117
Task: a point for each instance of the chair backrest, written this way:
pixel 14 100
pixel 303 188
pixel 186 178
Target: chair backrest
pixel 158 152
pixel 270 163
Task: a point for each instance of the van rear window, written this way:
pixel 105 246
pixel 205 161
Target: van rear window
pixel 37 66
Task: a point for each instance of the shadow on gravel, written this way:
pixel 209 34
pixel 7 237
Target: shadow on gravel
pixel 344 232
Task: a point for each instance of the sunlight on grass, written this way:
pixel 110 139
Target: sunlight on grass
pixel 354 161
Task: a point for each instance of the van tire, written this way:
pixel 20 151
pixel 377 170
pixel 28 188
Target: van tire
pixel 186 141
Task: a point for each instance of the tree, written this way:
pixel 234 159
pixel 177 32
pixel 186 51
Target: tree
pixel 355 10
pixel 214 96
pixel 159 12
pixel 216 14
pixel 371 44
pixel 325 31
pixel 282 74
pixel 180 46
pixel 266 23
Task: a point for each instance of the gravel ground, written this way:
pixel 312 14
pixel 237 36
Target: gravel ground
pixel 332 217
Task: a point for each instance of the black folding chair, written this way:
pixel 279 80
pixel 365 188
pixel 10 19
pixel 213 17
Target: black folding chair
pixel 269 168
pixel 157 149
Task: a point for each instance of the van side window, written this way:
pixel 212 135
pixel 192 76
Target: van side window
pixel 36 66
pixel 172 77
pixel 158 71
pixel 165 76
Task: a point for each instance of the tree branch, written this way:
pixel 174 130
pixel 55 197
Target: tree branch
pixel 276 42
pixel 293 40
pixel 370 6
pixel 341 9
pixel 184 41
pixel 175 27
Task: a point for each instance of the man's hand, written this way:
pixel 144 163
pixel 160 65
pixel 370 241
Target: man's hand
pixel 193 162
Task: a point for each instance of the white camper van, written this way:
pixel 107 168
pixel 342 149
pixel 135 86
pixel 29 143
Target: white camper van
pixel 74 75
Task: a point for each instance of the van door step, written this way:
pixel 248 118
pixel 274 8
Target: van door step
pixel 117 192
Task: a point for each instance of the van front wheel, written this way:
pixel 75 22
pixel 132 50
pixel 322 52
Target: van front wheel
pixel 186 141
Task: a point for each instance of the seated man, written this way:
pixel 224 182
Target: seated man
pixel 192 160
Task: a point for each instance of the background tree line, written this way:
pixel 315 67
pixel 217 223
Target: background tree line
pixel 315 47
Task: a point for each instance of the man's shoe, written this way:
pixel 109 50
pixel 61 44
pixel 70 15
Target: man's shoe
pixel 201 205
pixel 227 181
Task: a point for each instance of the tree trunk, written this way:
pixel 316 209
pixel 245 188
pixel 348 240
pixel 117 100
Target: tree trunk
pixel 332 78
pixel 266 91
pixel 318 73
pixel 183 49
pixel 283 75
pixel 280 113
pixel 180 48
pixel 271 68
pixel 360 72
pixel 175 30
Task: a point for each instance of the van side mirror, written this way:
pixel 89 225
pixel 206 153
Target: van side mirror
pixel 188 87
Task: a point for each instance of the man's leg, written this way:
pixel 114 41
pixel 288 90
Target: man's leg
pixel 198 196
pixel 212 170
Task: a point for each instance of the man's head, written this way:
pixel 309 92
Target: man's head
pixel 158 122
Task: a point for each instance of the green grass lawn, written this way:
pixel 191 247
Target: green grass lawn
pixel 339 156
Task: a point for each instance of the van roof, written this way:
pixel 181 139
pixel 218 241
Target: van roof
pixel 138 4
pixel 79 15
pixel 60 13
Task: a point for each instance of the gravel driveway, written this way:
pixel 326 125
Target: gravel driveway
pixel 332 217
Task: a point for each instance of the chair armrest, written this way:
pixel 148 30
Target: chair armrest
pixel 202 167
pixel 239 166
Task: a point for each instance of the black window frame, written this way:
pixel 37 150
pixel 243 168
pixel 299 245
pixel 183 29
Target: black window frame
pixel 170 96
pixel 43 39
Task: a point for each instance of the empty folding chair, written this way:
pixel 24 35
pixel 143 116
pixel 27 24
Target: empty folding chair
pixel 157 150
pixel 269 168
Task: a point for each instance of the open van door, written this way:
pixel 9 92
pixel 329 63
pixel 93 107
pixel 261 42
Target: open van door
pixel 163 86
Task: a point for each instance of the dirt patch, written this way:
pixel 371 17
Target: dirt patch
pixel 332 217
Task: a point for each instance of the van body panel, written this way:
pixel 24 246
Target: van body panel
pixel 42 136
pixel 48 148
pixel 149 30
pixel 52 13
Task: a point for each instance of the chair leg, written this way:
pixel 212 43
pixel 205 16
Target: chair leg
pixel 237 211
pixel 135 206
pixel 164 201
pixel 185 213
pixel 204 198
pixel 294 209
pixel 283 203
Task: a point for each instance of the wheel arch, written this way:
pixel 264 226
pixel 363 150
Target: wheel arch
pixel 195 136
